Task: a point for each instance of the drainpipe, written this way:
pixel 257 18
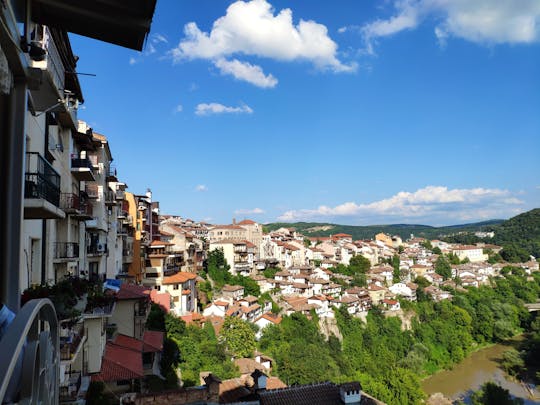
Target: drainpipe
pixel 11 187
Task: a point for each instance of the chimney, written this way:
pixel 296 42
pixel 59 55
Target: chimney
pixel 234 221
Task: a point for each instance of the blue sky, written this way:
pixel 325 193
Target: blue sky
pixel 354 112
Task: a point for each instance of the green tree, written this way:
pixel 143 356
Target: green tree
pixel 238 336
pixel 512 362
pixel 493 394
pixel 442 267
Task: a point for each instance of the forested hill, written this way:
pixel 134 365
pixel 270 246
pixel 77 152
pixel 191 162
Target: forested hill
pixel 369 232
pixel 520 233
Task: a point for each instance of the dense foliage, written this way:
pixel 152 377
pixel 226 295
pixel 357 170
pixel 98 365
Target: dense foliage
pixel 519 234
pixel 190 349
pixel 218 270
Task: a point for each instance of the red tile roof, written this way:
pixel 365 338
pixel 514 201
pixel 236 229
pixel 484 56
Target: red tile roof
pixel 247 222
pixel 129 291
pixel 162 299
pixel 153 341
pixel 120 363
pixel 128 342
pixel 178 278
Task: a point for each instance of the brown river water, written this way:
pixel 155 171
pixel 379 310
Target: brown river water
pixel 479 367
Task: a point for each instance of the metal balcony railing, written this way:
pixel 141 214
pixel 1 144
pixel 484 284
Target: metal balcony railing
pixel 29 359
pixel 70 344
pixel 96 249
pixel 66 250
pixel 41 180
pixel 81 162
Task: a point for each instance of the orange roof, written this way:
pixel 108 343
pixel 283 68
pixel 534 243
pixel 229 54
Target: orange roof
pixel 186 292
pixel 178 278
pixel 160 243
pixel 162 299
pixel 247 222
pixel 275 319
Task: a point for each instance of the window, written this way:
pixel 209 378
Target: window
pixel 175 287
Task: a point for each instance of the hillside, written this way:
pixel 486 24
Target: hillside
pixel 369 232
pixel 521 232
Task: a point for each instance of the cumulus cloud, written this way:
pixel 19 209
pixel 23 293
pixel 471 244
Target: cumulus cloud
pixel 245 71
pixel 216 108
pixel 253 28
pixel 249 211
pixel 479 21
pixel 430 202
pixel 201 188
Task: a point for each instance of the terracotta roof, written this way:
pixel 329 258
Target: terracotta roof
pixel 274 383
pixel 160 243
pixel 152 341
pixel 247 222
pixel 232 390
pixel 128 342
pixel 186 292
pixel 192 317
pixel 178 278
pixel 275 319
pixel 129 291
pixel 248 366
pixel 162 299
pixel 121 363
pixel 390 302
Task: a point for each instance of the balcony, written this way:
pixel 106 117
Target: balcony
pixel 76 206
pixel 120 194
pixel 171 269
pixel 66 251
pixel 110 198
pixel 96 224
pixel 92 190
pixel 96 249
pixel 81 169
pixel 111 174
pixel 74 388
pixel 41 189
pixel 71 343
pixel 49 69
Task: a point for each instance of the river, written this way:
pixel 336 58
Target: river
pixel 479 367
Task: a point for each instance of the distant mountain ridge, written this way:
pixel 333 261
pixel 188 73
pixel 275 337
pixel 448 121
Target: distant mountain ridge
pixel 369 231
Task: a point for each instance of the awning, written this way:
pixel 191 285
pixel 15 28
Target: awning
pixel 121 22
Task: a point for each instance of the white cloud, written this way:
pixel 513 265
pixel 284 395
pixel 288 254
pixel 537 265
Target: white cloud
pixel 245 71
pixel 132 61
pixel 252 28
pixel 430 203
pixel 249 211
pixel 479 21
pixel 201 188
pixel 216 108
pixel 159 38
pixel 178 108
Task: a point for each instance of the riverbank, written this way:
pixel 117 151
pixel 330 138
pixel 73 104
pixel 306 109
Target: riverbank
pixel 476 369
